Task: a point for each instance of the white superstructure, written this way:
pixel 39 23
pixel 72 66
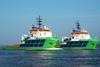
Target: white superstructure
pixel 40 31
pixel 78 34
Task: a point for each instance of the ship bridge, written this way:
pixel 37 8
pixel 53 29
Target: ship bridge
pixel 79 33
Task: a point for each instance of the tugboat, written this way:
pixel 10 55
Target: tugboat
pixel 79 39
pixel 39 38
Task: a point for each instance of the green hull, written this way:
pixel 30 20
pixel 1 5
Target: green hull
pixel 53 44
pixel 91 44
pixel 49 44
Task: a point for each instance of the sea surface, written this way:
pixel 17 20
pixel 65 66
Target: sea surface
pixel 54 58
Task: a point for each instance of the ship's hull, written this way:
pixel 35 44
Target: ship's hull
pixel 82 44
pixel 55 44
pixel 38 44
pixel 33 48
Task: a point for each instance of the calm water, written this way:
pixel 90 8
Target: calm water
pixel 61 58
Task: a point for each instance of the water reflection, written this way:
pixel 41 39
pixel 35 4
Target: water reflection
pixel 62 58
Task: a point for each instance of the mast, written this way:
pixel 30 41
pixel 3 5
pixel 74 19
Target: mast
pixel 78 26
pixel 39 20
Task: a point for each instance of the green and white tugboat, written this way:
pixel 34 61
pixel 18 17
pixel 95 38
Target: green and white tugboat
pixel 79 39
pixel 39 38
